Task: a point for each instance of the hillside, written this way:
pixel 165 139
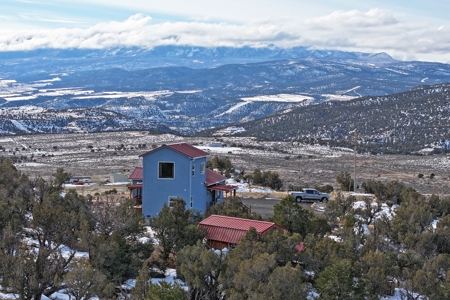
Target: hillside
pixel 399 123
pixel 192 89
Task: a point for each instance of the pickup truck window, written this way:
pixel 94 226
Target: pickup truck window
pixel 316 192
pixel 309 192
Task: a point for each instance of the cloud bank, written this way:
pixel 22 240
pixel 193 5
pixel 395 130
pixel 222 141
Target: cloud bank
pixel 375 30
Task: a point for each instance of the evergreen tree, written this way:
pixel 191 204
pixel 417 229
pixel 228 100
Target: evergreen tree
pixel 293 216
pixel 175 227
pixel 339 281
pixel 200 269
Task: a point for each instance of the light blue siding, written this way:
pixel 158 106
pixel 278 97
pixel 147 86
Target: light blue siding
pixel 156 191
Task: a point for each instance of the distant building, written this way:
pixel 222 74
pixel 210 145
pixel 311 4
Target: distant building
pixel 178 171
pixel 217 145
pixel 226 232
pixel 117 177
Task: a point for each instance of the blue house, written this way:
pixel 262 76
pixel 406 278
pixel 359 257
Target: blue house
pixel 178 171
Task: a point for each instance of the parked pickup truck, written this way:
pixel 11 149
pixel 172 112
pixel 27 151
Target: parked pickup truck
pixel 310 195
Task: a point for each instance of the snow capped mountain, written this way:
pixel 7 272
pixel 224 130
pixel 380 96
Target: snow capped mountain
pixel 187 89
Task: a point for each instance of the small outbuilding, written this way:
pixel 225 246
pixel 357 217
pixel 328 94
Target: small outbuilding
pixel 226 232
pixel 117 177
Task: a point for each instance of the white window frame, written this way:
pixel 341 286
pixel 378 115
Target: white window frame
pixel 166 162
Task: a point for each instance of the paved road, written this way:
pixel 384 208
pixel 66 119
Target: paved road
pixel 264 206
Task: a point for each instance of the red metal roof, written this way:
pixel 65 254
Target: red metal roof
pixel 183 148
pixel 231 229
pixel 222 187
pixel 136 174
pixel 213 177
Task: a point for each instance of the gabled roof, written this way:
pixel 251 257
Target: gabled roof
pixel 213 177
pixel 182 148
pixel 136 174
pixel 231 229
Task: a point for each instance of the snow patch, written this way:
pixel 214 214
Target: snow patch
pixel 279 98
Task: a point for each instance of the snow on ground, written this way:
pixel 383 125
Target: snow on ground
pixel 385 211
pixel 221 150
pixel 150 234
pixel 19 125
pixel 232 109
pixel 63 92
pixel 29 164
pixel 398 295
pixel 335 238
pixel 66 252
pixel 279 98
pixel 297 148
pixel 246 188
pixel 170 274
pixel 6 82
pixel 338 97
pixel 230 130
pixel 434 224
pixel 117 183
pixel 49 80
pixel 436 162
pixel 21 98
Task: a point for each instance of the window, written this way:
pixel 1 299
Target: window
pixel 202 168
pixel 172 201
pixel 192 201
pixel 193 170
pixel 166 170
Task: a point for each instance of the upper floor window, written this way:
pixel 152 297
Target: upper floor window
pixel 193 170
pixel 202 168
pixel 166 170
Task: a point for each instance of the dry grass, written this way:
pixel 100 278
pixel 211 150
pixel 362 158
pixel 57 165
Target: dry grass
pixel 97 155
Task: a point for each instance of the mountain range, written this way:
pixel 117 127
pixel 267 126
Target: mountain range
pixel 190 89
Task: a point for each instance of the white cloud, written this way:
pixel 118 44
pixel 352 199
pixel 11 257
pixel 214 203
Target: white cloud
pixel 375 30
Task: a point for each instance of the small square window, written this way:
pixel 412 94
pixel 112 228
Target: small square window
pixel 166 170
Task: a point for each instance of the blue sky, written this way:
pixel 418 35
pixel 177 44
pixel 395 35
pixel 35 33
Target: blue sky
pixel 408 30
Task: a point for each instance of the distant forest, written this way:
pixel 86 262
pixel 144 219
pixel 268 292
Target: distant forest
pixel 402 123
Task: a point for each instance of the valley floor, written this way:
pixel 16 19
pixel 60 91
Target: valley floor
pixel 100 154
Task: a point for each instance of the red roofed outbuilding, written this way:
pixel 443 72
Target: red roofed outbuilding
pixel 225 232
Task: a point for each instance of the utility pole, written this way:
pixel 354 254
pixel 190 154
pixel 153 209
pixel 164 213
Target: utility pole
pixel 354 176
